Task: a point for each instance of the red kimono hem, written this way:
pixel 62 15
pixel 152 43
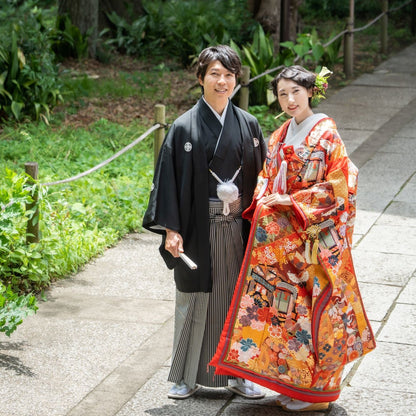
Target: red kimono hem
pixel 312 396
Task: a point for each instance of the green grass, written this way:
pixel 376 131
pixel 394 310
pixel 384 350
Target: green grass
pixel 77 219
pixel 125 84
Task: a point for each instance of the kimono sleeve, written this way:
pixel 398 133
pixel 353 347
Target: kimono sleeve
pixel 261 186
pixel 335 193
pixel 163 208
pixel 263 181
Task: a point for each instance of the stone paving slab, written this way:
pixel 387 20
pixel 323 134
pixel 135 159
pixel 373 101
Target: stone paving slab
pixel 388 166
pixel 399 213
pixel 383 268
pixel 351 116
pixel 127 267
pixel 390 239
pixel 376 401
pixel 388 368
pixel 408 192
pixel 400 327
pixel 409 130
pixel 378 299
pixel 353 138
pixel 385 77
pixel 409 293
pixel 60 361
pixel 365 219
pixel 108 308
pixel 401 63
pixel 369 97
pixel 122 384
pixel 400 144
pixel 84 340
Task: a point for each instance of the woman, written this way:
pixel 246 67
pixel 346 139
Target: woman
pixel 297 317
pixel 215 143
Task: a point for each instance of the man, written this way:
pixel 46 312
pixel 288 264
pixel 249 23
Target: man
pixel 213 145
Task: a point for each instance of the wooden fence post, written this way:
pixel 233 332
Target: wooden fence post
pixel 384 28
pixel 32 228
pixel 244 93
pixel 349 44
pixel 159 133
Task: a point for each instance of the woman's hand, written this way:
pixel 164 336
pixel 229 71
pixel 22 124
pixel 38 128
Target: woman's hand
pixel 276 199
pixel 173 243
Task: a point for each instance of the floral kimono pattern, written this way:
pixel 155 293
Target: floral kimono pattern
pixel 297 316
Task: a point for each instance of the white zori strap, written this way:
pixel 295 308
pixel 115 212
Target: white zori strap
pixel 227 191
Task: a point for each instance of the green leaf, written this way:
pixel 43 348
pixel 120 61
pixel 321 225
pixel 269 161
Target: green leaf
pixel 16 109
pixel 317 52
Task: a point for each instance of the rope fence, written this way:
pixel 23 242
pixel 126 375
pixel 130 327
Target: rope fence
pixel 109 160
pixel 31 168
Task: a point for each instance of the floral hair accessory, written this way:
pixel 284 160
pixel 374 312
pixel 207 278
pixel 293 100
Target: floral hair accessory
pixel 321 85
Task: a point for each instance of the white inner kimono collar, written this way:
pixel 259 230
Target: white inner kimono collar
pixel 296 133
pixel 221 117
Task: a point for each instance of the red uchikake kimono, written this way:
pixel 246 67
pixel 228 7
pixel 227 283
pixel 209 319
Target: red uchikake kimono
pixel 297 316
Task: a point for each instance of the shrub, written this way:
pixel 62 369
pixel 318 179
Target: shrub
pixel 67 41
pixel 308 50
pixel 14 308
pixel 182 28
pixel 29 84
pixel 129 37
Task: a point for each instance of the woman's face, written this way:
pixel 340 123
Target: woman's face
pixel 218 83
pixel 294 99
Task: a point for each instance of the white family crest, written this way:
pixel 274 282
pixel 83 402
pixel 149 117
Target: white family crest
pixel 256 141
pixel 188 146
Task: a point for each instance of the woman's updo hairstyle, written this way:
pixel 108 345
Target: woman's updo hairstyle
pixel 297 74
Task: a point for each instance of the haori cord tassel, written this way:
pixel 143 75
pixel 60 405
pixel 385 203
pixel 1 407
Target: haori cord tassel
pixel 313 239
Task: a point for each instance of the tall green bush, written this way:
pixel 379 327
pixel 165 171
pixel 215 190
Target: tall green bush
pixel 29 83
pixel 260 57
pixel 309 48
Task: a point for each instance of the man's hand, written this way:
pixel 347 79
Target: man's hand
pixel 173 243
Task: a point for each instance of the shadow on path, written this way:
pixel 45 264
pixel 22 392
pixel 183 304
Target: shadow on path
pixel 9 362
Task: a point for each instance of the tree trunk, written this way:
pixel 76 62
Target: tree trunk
pixel 294 24
pixel 268 15
pixel 279 18
pixel 253 6
pixel 90 15
pixel 84 15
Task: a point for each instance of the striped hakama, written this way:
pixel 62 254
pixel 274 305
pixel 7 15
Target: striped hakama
pixel 200 317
